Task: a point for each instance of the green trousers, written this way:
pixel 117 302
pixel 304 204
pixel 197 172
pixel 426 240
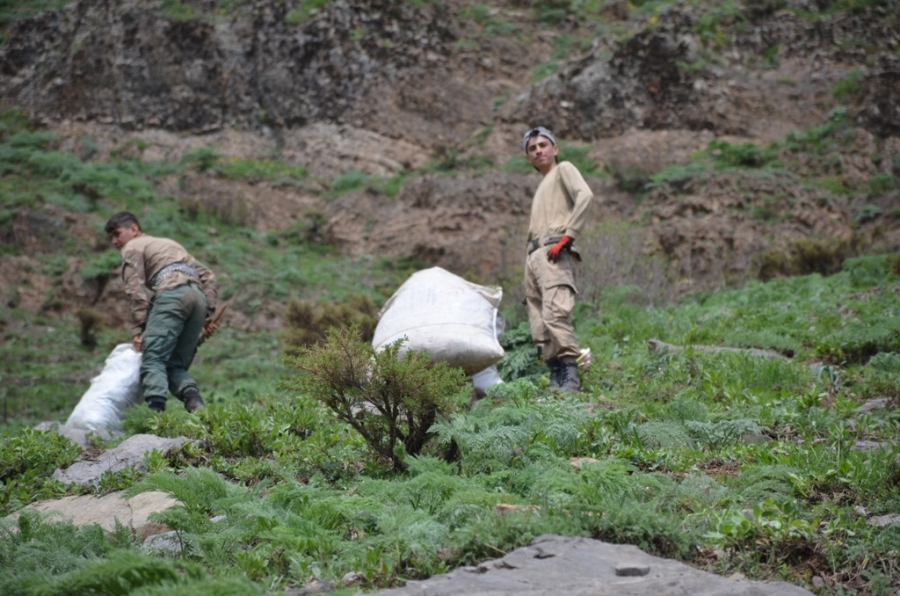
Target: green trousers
pixel 170 341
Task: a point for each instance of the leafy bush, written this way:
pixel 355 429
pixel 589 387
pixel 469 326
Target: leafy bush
pixel 302 12
pixel 27 462
pixel 257 170
pixel 880 184
pixel 519 360
pixel 391 399
pixel 120 573
pixel 36 550
pixel 847 87
pixel 747 155
pixel 202 158
pixel 857 341
pixel 307 323
pixel 349 182
pixel 805 256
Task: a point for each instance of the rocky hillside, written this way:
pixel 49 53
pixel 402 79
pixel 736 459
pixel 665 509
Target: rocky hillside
pixel 794 104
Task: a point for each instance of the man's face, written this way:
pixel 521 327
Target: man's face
pixel 541 153
pixel 123 235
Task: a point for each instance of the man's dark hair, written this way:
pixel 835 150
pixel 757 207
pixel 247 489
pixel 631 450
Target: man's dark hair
pixel 119 220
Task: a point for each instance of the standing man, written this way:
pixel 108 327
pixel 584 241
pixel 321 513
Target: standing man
pixel 558 213
pixel 173 297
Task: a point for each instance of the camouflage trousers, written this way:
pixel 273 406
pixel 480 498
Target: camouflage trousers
pixel 170 341
pixel 550 297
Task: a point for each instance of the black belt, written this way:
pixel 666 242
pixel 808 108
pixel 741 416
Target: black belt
pixel 539 242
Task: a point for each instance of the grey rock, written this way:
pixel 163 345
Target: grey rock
pixel 585 567
pixel 82 437
pixel 128 454
pixel 313 587
pixel 873 404
pixel 167 541
pixel 879 521
pixel 869 445
pixel 108 510
pixel 755 438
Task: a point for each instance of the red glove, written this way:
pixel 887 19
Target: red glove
pixel 553 253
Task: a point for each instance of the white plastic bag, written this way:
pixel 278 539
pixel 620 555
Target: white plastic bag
pixel 453 320
pixel 117 387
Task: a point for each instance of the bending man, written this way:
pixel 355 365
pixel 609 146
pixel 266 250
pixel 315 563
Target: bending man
pixel 173 297
pixel 558 213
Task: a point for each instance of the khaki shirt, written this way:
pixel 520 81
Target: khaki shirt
pixel 142 258
pixel 560 203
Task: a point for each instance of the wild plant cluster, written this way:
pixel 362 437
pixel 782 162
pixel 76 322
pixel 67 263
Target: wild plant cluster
pixel 341 462
pixel 379 467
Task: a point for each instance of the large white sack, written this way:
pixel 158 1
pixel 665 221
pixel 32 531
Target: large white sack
pixel 453 320
pixel 117 387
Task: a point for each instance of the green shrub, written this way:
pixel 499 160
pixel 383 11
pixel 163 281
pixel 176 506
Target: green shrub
pixel 747 155
pixel 349 182
pixel 519 358
pixel 27 462
pixel 12 121
pixel 256 170
pixel 201 159
pixel 177 11
pixel 868 271
pixel 302 12
pixel 391 399
pixel 805 256
pixel 857 342
pixel 307 323
pixel 122 572
pixel 847 87
pixel 880 184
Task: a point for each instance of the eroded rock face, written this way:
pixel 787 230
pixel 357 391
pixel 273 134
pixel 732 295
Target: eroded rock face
pixel 776 73
pixel 125 63
pixel 472 226
pixel 386 87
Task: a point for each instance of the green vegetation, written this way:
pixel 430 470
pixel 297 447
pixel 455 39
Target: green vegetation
pixel 753 462
pixel 302 12
pixel 13 10
pixel 319 458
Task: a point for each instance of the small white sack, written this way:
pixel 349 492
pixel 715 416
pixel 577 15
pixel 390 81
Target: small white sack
pixel 453 320
pixel 484 379
pixel 117 387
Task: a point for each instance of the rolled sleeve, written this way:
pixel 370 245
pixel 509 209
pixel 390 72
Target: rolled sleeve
pixel 134 276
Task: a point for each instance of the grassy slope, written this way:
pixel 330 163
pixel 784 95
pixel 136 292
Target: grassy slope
pixel 732 462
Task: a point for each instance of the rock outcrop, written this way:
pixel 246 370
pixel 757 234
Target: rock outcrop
pixel 584 567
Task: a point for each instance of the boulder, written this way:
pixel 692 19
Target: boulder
pixel 128 454
pixel 585 567
pixel 133 513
